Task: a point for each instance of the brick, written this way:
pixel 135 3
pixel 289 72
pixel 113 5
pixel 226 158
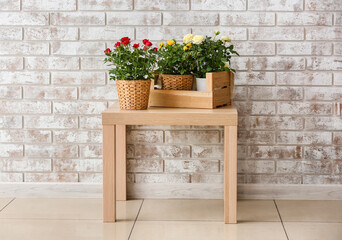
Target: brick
pixel 218 5
pixel 304 78
pixel 240 93
pixel 275 5
pixel 23 78
pixel 193 137
pixel 337 78
pixel 161 33
pixel 304 138
pixel 255 78
pixel 11 33
pixel 58 151
pixel 337 140
pixel 207 151
pixel 190 18
pixel 25 165
pixel 321 93
pixel 11 150
pixel 161 5
pixel 92 5
pixel 257 108
pixel 31 136
pixel 79 107
pixel 90 177
pixel 48 5
pixel 247 19
pixel 90 122
pixel 275 93
pixel 255 48
pixel 25 107
pixel 91 151
pixel 77 48
pixel 14 121
pixel 305 108
pixel 23 18
pixel 338 48
pixel 10 5
pixel 337 167
pixel 323 123
pixel 275 152
pixel 323 33
pixel 338 18
pixel 11 63
pixel 183 166
pixel 77 165
pixel 142 165
pixel 24 48
pixel 48 93
pixel 326 152
pixel 11 177
pixel 323 5
pixel 94 63
pixel 78 78
pixel 51 33
pixel 274 179
pixel 9 92
pixel 78 18
pixel 282 33
pixel 162 151
pixel 51 177
pixel 77 136
pixel 261 137
pixel 146 136
pixel 277 63
pixel 300 167
pixel 307 48
pixel 52 63
pixel 206 178
pixel 134 18
pixel 240 63
pixel 51 122
pixel 235 33
pixel 162 178
pixel 256 166
pixel 322 179
pixel 304 18
pixel 273 123
pixel 98 93
pixel 130 151
pixel 324 63
pixel 105 33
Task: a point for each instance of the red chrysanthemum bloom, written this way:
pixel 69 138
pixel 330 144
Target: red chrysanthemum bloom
pixel 125 39
pixel 107 50
pixel 136 45
pixel 145 41
pixel 149 44
pixel 155 49
pixel 118 44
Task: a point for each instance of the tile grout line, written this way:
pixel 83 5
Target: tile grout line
pixel 7 205
pixel 281 220
pixel 136 218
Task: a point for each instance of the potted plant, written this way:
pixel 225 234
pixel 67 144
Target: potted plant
pixel 211 55
pixel 175 65
pixel 132 68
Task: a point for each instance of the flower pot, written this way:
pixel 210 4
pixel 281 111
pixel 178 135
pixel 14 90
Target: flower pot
pixel 201 84
pixel 133 94
pixel 177 82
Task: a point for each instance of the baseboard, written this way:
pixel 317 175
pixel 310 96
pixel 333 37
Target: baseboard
pixel 167 190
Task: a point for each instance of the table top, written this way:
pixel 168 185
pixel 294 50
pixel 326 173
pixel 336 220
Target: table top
pixel 170 116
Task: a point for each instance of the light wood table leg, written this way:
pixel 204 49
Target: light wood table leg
pixel 230 174
pixel 121 163
pixel 109 200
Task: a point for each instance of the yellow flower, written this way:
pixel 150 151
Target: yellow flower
pixel 198 39
pixel 185 48
pixel 161 44
pixel 170 42
pixel 226 64
pixel 189 45
pixel 225 39
pixel 217 32
pixel 188 38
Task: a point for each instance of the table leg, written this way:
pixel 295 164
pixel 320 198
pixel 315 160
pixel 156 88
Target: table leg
pixel 109 200
pixel 121 162
pixel 230 174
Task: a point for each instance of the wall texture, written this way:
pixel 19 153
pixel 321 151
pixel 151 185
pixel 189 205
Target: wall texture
pixel 54 85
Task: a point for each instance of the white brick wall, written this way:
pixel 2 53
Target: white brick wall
pixel 54 85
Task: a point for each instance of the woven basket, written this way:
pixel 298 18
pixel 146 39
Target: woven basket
pixel 133 94
pixel 177 82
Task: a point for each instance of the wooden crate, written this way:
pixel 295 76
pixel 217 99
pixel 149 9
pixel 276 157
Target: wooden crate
pixel 220 86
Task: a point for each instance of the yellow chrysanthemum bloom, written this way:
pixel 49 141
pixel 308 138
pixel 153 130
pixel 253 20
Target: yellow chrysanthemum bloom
pixel 189 45
pixel 198 39
pixel 188 38
pixel 185 48
pixel 161 44
pixel 225 39
pixel 170 42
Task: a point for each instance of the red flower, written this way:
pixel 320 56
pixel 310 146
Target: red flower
pixel 125 39
pixel 149 44
pixel 118 44
pixel 144 48
pixel 155 49
pixel 136 45
pixel 107 50
pixel 145 41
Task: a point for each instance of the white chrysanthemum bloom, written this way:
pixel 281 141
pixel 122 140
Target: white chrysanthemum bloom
pixel 217 32
pixel 226 64
pixel 188 38
pixel 225 39
pixel 198 39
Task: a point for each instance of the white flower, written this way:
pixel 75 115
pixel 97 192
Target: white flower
pixel 217 32
pixel 188 38
pixel 226 64
pixel 198 39
pixel 225 39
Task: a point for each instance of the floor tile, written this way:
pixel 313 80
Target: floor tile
pixel 4 202
pixel 310 211
pixel 33 229
pixel 66 208
pixel 313 231
pixel 206 210
pixel 187 230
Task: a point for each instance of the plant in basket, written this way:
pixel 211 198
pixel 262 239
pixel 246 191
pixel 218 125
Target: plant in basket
pixel 132 68
pixel 175 65
pixel 211 56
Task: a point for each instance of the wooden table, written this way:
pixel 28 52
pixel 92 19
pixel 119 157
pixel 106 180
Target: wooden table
pixel 114 123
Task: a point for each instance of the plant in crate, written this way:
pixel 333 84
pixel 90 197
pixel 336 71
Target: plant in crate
pixel 175 66
pixel 132 68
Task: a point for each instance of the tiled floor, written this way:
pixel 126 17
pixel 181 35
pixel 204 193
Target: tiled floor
pixel 73 219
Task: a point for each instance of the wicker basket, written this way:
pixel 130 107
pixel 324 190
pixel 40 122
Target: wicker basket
pixel 133 94
pixel 177 82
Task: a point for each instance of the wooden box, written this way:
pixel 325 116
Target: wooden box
pixel 220 86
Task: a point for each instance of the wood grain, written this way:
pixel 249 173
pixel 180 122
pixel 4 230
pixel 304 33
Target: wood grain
pixel 120 162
